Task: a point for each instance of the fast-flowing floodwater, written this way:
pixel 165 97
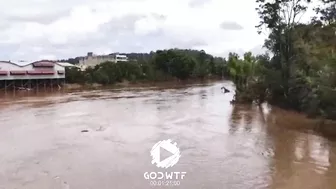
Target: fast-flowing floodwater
pixel 222 146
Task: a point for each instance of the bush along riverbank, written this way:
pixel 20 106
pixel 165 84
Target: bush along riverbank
pixel 301 73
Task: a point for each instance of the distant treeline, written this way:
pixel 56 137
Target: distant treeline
pixel 131 56
pixel 70 60
pixel 161 65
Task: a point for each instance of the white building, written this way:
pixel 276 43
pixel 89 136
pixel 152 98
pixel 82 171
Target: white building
pixel 121 58
pixel 92 60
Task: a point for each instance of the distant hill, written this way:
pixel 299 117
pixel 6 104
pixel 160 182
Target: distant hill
pixel 145 56
pixel 70 60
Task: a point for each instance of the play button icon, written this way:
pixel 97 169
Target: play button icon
pixel 165 154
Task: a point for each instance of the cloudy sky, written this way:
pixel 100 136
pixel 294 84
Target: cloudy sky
pixel 38 29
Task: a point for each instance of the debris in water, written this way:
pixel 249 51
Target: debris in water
pixel 225 90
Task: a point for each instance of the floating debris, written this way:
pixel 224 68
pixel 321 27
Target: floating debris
pixel 225 90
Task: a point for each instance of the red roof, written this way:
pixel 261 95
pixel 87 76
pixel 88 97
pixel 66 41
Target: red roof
pixel 3 72
pixel 40 72
pixel 19 72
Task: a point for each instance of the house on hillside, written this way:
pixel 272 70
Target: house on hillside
pixel 91 60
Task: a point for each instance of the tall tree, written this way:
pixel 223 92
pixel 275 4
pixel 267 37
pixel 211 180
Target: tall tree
pixel 280 17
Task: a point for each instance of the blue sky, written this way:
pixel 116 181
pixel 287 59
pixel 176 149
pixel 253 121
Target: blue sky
pixel 38 29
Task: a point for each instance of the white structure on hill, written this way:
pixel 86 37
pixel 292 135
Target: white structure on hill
pixel 121 58
pixel 92 60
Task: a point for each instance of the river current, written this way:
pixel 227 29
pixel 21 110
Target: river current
pixel 101 139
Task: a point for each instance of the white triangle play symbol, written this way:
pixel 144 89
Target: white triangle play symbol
pixel 165 154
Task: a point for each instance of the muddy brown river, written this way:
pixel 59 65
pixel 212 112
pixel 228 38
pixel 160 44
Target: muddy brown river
pixel 102 139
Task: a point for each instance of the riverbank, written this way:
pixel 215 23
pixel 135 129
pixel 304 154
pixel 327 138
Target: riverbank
pixel 128 84
pixel 299 121
pixel 319 124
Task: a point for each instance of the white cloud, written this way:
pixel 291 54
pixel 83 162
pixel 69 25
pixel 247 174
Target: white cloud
pixel 146 25
pixel 71 28
pixel 47 57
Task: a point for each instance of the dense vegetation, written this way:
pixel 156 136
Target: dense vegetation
pixel 161 65
pixel 301 74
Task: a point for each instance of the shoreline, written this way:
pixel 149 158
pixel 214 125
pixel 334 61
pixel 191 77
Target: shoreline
pixel 125 85
pixel 140 84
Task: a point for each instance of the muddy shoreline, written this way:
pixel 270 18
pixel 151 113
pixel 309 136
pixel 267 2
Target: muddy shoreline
pixel 128 84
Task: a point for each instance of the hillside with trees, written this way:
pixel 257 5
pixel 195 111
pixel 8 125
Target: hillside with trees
pixel 162 65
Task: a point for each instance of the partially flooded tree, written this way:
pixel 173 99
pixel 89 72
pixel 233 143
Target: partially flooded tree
pixel 301 74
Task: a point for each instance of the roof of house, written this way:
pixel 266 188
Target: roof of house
pixel 24 64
